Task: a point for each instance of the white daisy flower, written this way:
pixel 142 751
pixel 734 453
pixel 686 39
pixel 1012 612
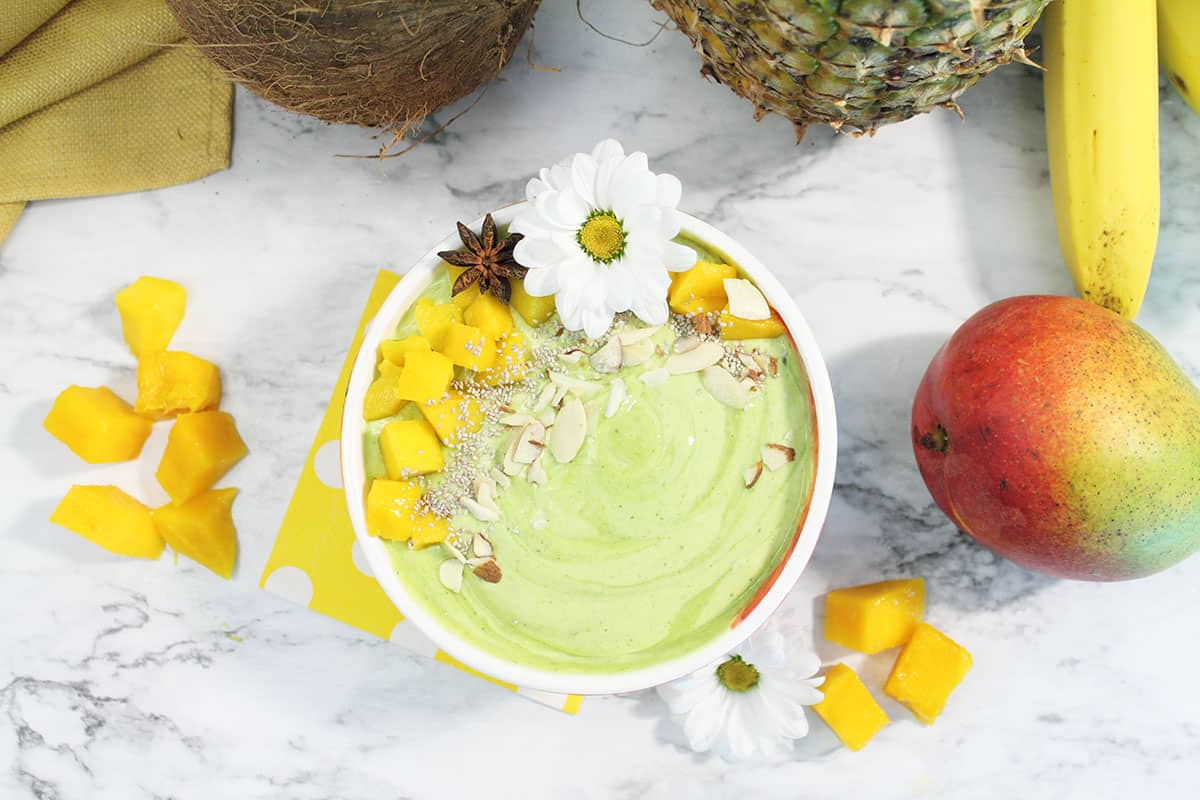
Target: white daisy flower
pixel 597 236
pixel 748 706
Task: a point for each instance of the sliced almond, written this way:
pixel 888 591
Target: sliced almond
pixel 488 571
pixel 752 475
pixel 450 573
pixel 699 357
pixel 773 367
pixel 572 356
pixel 516 420
pixel 617 392
pixel 576 386
pixel 454 551
pixel 748 361
pixel 638 335
pixel 608 357
pixel 536 474
pixel 481 546
pixel 547 416
pixel 509 463
pixel 485 492
pixel 592 410
pixel 500 478
pixel 686 343
pixel 638 353
pixel 761 361
pixel 570 429
pixel 725 388
pixel 545 398
pixel 748 384
pixel 655 377
pixel 777 456
pixel 745 300
pixel 704 324
pixel 479 511
pixel 530 443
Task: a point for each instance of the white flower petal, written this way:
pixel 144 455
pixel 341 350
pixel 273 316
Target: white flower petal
pixel 535 187
pixel 583 177
pixel 678 257
pixel 682 695
pixel 608 150
pixel 632 184
pixel 668 190
pixel 705 724
pixel 596 320
pixel 542 282
pixel 538 252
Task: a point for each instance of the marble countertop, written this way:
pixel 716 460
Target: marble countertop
pixel 123 679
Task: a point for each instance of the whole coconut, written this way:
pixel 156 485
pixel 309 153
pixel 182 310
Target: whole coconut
pixel 380 63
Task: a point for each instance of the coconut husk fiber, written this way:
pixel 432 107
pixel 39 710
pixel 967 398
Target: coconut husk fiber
pixel 380 63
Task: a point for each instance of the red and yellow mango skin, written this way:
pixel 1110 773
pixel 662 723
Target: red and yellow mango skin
pixel 1064 438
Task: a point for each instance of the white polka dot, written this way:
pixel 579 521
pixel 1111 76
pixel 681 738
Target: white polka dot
pixel 410 637
pixel 359 557
pixel 291 583
pixel 327 463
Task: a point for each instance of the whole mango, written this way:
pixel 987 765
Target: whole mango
pixel 1064 438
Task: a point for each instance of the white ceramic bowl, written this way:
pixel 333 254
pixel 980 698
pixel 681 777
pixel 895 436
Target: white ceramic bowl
pixel 751 618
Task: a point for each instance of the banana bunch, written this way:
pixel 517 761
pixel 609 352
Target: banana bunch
pixel 1179 46
pixel 1101 86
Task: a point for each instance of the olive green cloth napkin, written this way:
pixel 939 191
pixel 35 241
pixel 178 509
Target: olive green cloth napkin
pixel 103 97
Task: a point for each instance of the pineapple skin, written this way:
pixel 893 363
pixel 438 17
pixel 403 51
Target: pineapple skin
pixel 853 64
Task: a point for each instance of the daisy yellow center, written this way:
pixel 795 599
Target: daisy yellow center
pixel 602 237
pixel 737 676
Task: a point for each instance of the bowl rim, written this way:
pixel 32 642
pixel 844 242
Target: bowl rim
pixel 781 581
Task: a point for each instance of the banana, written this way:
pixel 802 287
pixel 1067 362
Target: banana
pixel 1179 46
pixel 1101 87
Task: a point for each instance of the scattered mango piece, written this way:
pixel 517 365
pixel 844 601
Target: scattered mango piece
pixel 453 415
pixel 106 516
pixel 390 369
pixel 701 288
pixel 875 617
pixel 490 314
pixel 425 376
pixel 172 382
pixel 511 364
pixel 202 529
pixel 434 319
pixel 151 309
pixel 410 448
pixel 200 449
pixel 394 350
pixel 849 709
pixel 466 346
pixel 535 310
pixel 98 426
pixel 383 398
pixel 392 513
pixel 930 666
pixel 737 328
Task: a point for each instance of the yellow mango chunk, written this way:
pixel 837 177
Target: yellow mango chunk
pixel 737 328
pixel 875 617
pixel 434 319
pixel 383 398
pixel 98 426
pixel 930 666
pixel 202 529
pixel 468 295
pixel 410 447
pixel 511 364
pixel 849 709
pixel 425 376
pixel 452 416
pixel 170 383
pixel 390 369
pixel 490 314
pixel 535 310
pixel 151 309
pixel 106 516
pixel 701 288
pixel 200 449
pixel 393 513
pixel 393 350
pixel 466 346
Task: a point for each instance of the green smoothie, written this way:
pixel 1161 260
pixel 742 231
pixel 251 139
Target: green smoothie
pixel 645 545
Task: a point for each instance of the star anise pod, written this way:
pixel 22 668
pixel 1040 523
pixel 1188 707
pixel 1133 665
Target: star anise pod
pixel 488 260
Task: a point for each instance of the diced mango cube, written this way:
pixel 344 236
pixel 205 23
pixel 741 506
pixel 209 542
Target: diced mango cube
pixel 466 346
pixel 849 709
pixel 410 447
pixel 875 617
pixel 151 309
pixel 512 363
pixel 434 319
pixel 425 376
pixel 390 369
pixel 930 666
pixel 393 350
pixel 202 529
pixel 453 415
pixel 383 398
pixel 170 383
pixel 393 512
pixel 491 315
pixel 468 295
pixel 737 328
pixel 535 310
pixel 98 426
pixel 701 288
pixel 200 449
pixel 107 516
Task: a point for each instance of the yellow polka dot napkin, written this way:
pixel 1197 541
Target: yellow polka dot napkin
pixel 316 561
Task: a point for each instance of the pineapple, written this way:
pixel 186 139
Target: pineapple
pixel 853 64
